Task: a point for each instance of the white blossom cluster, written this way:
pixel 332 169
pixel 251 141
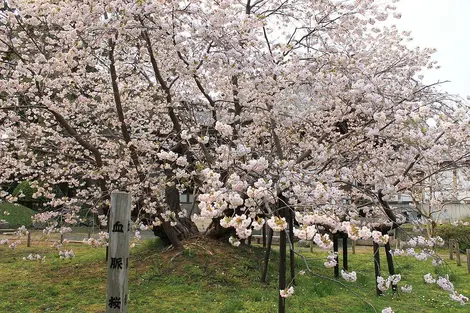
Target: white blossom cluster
pixel 349 276
pixel 21 231
pixel 355 232
pixel 331 260
pixel 34 257
pixel 14 244
pixel 379 238
pixel 407 288
pixel 428 279
pixel 285 293
pixel 277 223
pixel 397 252
pixel 323 241
pixel 45 217
pixel 384 284
pixel 241 224
pixel 224 129
pixel 256 165
pixel 445 284
pixel 234 241
pixel 305 232
pixel 420 241
pixel 169 216
pixel 66 254
pixel 460 298
pixel 103 239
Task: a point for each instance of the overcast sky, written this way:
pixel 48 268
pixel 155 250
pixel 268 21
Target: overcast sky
pixel 444 25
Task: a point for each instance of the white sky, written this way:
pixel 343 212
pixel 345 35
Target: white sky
pixel 444 25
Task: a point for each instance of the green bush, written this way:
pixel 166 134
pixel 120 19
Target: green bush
pixel 17 216
pixel 24 188
pixel 24 192
pixel 460 233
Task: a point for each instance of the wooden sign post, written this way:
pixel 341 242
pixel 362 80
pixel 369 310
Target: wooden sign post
pixel 118 260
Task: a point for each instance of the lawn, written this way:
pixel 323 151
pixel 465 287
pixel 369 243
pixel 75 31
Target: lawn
pixel 208 277
pixel 17 216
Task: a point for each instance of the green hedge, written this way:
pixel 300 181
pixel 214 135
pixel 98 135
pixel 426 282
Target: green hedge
pixel 461 233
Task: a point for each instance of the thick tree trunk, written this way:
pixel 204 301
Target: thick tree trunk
pixel 184 227
pixel 215 231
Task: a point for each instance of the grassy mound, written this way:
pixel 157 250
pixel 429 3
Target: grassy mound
pixel 210 277
pixel 19 215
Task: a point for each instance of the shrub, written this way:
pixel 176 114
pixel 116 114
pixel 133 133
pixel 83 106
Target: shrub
pixel 26 191
pixel 460 233
pixel 17 215
pixel 24 188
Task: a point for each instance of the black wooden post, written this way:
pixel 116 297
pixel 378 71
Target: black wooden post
pixel 282 264
pixel 291 250
pixel 264 234
pixel 266 255
pixel 391 269
pixel 377 266
pixel 335 250
pixel 345 252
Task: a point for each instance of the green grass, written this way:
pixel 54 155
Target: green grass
pixel 19 215
pixel 209 277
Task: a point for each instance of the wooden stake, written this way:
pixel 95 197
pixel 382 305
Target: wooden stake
pixel 451 249
pixel 457 253
pixel 28 243
pixel 468 260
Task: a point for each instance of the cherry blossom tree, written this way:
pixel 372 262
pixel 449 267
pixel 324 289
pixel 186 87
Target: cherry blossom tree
pixel 275 112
